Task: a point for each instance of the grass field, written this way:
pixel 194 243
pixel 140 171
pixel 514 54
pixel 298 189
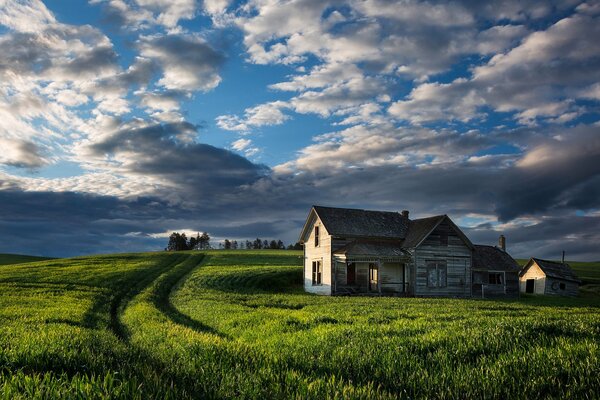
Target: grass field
pixel 238 325
pixel 6 259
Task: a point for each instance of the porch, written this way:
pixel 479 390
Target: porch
pixel 371 268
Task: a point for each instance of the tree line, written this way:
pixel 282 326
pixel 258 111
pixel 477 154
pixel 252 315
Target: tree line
pixel 179 241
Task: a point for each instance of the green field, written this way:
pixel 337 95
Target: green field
pixel 6 259
pixel 238 325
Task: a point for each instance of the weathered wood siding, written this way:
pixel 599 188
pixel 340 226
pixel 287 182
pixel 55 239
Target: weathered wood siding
pixel 458 263
pixel 320 253
pixel 510 287
pixel 533 272
pixel 392 277
pixel 553 287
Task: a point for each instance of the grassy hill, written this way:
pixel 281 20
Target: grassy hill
pixel 236 324
pixel 6 259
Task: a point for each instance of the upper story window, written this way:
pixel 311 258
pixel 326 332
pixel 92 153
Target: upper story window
pixel 316 236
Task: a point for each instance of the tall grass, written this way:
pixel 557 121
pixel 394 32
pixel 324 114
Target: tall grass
pixel 238 325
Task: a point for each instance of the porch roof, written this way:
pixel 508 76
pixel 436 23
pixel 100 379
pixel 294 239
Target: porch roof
pixel 372 249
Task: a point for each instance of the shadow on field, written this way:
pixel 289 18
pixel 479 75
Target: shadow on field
pixel 271 281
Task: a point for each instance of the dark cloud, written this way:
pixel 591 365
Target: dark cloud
pixel 21 154
pixel 200 171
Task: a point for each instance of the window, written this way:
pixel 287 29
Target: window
pixel 437 274
pixel 495 278
pixel 316 273
pixel 316 236
pixel 477 278
pixel 563 286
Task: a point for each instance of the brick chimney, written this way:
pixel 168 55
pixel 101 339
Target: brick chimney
pixel 405 213
pixel 502 242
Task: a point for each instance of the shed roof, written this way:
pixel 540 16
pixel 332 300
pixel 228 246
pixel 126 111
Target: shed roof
pixel 385 249
pixel 493 258
pixel 555 269
pixel 350 222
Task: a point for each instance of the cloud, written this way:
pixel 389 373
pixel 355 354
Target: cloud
pixel 266 114
pixel 21 154
pixel 188 62
pixel 141 14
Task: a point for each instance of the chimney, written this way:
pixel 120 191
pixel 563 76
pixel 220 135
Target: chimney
pixel 405 213
pixel 502 242
pixel 563 257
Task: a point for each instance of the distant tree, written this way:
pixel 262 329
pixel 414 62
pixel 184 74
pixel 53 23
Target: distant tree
pixel 177 242
pixel 234 245
pixel 193 243
pixel 227 244
pixel 258 244
pixel 172 245
pixel 249 245
pixel 265 244
pixel 297 246
pixel 290 247
pixel 273 244
pixel 204 241
pixel 280 245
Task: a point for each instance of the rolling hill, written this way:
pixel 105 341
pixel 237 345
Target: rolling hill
pixel 237 324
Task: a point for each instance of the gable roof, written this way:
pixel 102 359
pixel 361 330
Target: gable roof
pixel 420 229
pixel 554 269
pixel 492 258
pixel 379 248
pixel 350 222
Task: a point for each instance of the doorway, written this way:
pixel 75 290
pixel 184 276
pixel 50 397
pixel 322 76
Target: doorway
pixel 351 274
pixel 373 277
pixel 529 285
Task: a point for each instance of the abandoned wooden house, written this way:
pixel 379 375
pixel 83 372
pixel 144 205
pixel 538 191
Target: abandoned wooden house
pixel 548 277
pixel 353 251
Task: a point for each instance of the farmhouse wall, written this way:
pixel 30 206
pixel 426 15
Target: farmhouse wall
pixel 458 263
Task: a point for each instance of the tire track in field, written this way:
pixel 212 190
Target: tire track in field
pixel 167 283
pixel 122 298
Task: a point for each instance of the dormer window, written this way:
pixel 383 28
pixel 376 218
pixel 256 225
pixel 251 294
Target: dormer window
pixel 316 236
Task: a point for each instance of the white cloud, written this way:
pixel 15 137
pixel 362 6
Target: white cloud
pixel 266 114
pixel 188 61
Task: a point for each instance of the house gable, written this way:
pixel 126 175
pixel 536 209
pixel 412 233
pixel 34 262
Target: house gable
pixel 433 230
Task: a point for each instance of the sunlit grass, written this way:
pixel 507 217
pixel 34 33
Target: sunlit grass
pixel 238 325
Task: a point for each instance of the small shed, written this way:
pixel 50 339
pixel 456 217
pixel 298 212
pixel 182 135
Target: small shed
pixel 548 277
pixel 495 273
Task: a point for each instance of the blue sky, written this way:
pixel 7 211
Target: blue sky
pixel 124 120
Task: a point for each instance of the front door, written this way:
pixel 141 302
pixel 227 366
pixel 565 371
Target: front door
pixel 529 285
pixel 373 277
pixel 351 274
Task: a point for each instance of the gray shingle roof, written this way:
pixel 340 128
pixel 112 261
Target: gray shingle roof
pixel 556 270
pixel 418 229
pixel 373 248
pixel 493 258
pixel 349 222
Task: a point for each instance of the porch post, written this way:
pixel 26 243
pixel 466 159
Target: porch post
pixel 379 275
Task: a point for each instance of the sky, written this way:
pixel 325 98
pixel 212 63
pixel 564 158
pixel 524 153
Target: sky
pixel 122 121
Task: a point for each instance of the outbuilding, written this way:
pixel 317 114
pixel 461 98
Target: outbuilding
pixel 549 278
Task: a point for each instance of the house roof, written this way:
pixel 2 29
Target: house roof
pixel 555 269
pixel 419 229
pixel 349 222
pixel 373 248
pixel 494 259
